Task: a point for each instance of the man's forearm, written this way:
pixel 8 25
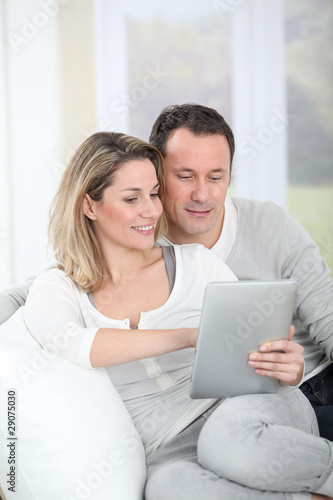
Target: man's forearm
pixel 13 298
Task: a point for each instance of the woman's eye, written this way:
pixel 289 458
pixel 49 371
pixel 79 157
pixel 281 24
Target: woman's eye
pixel 130 200
pixel 184 177
pixel 154 195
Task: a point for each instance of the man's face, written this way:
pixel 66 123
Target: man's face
pixel 197 174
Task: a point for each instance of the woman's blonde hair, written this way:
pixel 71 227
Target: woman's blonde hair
pixel 91 171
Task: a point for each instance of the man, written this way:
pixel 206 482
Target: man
pixel 257 240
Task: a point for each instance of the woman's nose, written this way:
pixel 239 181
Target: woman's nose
pixel 153 208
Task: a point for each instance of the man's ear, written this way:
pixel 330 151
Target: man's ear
pixel 88 207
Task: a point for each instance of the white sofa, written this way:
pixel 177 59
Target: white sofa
pixel 75 438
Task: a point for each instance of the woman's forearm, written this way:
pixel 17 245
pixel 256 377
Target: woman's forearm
pixel 114 347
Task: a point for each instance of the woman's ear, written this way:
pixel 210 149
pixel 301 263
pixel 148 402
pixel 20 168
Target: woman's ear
pixel 89 207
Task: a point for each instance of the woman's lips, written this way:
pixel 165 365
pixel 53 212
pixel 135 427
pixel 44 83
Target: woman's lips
pixel 146 230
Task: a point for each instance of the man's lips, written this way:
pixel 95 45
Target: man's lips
pixel 198 213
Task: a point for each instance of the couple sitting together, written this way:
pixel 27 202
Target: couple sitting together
pixel 133 306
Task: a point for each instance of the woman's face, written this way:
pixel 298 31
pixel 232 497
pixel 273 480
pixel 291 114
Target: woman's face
pixel 127 215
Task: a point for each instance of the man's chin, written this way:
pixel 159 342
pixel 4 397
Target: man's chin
pixel 197 226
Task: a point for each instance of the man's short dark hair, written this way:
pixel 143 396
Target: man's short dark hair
pixel 198 119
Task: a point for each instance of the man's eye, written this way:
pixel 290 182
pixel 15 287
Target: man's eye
pixel 215 178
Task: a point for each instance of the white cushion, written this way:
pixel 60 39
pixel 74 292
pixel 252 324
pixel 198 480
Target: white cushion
pixel 75 438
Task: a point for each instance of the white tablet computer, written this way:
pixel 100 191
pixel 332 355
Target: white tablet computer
pixel 236 318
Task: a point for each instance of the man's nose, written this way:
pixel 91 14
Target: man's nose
pixel 200 192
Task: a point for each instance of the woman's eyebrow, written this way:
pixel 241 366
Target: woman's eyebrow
pixel 138 189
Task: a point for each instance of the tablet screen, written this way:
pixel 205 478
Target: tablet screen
pixel 236 318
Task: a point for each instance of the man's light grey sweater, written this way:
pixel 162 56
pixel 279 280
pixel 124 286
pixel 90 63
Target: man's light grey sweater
pixel 270 244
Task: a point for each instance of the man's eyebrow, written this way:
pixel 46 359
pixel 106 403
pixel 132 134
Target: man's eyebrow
pixel 187 169
pixel 183 169
pixel 136 189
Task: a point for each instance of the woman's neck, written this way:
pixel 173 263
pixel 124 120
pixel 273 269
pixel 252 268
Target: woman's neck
pixel 122 264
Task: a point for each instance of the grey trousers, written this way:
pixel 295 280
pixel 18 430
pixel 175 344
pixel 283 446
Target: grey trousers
pixel 264 447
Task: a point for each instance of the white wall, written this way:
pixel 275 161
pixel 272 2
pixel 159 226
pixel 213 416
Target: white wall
pixel 6 243
pixel 30 135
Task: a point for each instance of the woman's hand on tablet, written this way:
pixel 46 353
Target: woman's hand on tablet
pixel 280 359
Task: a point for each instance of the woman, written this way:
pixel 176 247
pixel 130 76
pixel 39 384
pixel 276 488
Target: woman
pixel 105 218
pixel 115 299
